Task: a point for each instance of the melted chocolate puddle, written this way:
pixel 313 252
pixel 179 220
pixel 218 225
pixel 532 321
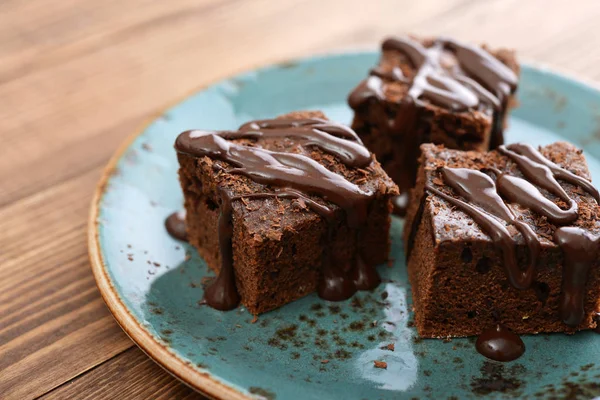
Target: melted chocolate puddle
pixel 500 344
pixel 175 225
pixel 293 176
pixel 484 204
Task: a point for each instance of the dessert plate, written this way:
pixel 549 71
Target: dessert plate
pixel 312 349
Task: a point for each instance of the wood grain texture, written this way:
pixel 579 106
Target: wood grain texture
pixel 138 378
pixel 78 76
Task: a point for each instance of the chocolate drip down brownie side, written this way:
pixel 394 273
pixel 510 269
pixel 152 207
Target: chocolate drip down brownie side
pixel 432 91
pixel 506 237
pixel 285 207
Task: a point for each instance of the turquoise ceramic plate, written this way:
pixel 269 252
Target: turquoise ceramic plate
pixel 312 349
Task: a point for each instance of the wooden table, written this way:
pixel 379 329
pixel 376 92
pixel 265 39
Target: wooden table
pixel 77 77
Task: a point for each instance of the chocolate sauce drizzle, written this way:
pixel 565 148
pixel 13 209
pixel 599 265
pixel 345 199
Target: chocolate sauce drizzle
pixel 477 81
pixel 500 344
pixel 292 176
pixel 478 78
pixel 484 204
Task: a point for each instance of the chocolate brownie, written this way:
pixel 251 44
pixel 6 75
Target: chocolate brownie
pixel 285 207
pixel 507 237
pixel 432 91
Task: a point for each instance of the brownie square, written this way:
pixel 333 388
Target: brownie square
pixel 278 243
pixel 458 274
pixel 432 91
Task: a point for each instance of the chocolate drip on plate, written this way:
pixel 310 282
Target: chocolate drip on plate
pixel 292 176
pixel 484 204
pixel 500 344
pixel 175 225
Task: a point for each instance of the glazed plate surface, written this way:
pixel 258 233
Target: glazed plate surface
pixel 313 349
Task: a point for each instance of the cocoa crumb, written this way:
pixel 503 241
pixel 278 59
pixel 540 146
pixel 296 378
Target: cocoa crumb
pixel 274 235
pixel 299 204
pixel 380 364
pixel 390 347
pixel 438 181
pixel 206 279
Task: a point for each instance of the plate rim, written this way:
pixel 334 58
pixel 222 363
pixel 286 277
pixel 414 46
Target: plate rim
pixel 158 352
pixel 204 382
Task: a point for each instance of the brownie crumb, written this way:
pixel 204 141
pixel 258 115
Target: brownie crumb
pixel 390 347
pixel 146 147
pixel 380 364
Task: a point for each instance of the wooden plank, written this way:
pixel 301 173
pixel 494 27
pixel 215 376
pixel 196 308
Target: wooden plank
pixel 92 76
pixel 148 63
pixel 130 375
pixel 50 308
pixel 76 157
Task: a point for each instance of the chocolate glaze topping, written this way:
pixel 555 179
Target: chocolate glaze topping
pixel 476 81
pixel 292 176
pixel 484 204
pixel 175 225
pixel 500 344
pixel 480 192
